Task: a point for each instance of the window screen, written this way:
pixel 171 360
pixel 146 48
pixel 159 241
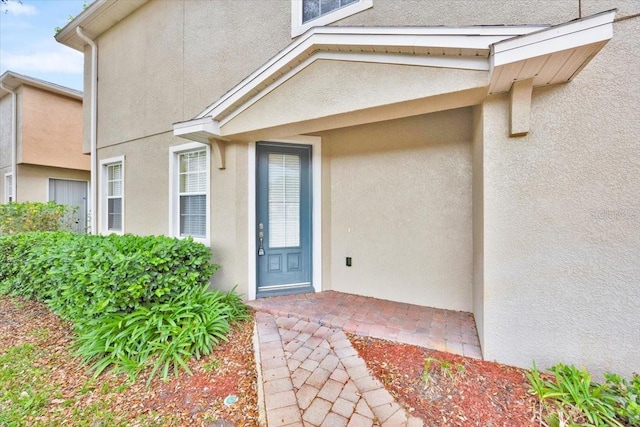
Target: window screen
pixel 114 197
pixel 193 193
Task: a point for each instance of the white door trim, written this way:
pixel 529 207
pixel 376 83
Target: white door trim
pixel 316 228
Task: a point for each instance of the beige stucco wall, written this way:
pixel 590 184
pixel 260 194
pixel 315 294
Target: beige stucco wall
pixel 33 181
pixel 146 183
pixel 6 113
pixel 478 220
pixel 51 130
pixel 171 59
pixel 345 93
pixel 401 208
pixel 562 219
pixel 457 13
pixel 545 227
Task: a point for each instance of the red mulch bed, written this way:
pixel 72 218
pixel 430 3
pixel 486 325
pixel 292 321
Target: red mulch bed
pixel 467 392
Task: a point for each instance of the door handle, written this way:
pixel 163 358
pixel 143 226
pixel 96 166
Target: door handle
pixel 260 239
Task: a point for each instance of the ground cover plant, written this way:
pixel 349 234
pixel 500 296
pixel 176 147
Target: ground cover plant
pixel 133 301
pixel 445 389
pixel 570 397
pixel 42 383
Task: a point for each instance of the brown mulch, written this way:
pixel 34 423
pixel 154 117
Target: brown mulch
pixel 460 391
pixel 466 392
pixel 184 401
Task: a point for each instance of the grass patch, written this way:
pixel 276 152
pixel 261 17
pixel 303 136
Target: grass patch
pixel 23 389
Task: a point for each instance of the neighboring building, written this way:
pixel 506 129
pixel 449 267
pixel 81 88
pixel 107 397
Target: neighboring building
pixel 41 155
pixel 486 168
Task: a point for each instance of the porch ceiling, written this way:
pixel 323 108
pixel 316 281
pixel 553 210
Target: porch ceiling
pixel 502 54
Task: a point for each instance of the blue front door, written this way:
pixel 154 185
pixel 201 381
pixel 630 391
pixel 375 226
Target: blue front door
pixel 283 219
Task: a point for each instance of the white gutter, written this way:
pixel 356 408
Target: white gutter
pixel 14 141
pixel 94 129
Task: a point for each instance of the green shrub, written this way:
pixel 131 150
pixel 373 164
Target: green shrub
pixel 33 216
pixel 164 335
pixel 134 301
pixel 82 277
pixel 579 401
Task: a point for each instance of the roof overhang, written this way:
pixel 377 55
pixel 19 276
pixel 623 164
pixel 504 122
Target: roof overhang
pixel 97 18
pixel 544 54
pixel 12 81
pixel 550 56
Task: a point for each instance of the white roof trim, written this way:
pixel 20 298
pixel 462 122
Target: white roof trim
pixel 333 38
pixel 549 56
pixel 97 18
pixel 12 80
pixel 485 48
pixel 566 36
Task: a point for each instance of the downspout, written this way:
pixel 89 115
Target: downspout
pixel 14 141
pixel 94 129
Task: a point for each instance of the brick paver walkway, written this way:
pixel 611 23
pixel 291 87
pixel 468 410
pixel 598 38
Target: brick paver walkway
pixel 312 376
pixel 444 330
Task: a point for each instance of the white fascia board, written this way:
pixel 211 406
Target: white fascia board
pixel 561 37
pixel 332 38
pixel 97 18
pixel 198 129
pixel 13 80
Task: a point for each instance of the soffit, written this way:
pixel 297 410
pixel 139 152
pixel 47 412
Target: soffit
pixel 550 56
pixel 96 19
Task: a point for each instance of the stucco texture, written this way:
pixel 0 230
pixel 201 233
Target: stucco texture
pixel 344 93
pixel 51 130
pixel 147 198
pixel 170 59
pixel 538 235
pixel 562 220
pixel 33 181
pixel 401 208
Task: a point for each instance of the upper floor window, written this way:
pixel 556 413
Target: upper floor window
pixel 8 187
pixel 312 9
pixel 190 191
pixel 314 13
pixel 113 195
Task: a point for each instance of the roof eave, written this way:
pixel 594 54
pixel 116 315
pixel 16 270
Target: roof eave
pixel 552 55
pixel 97 18
pixel 13 80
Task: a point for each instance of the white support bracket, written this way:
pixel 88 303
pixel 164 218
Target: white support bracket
pixel 219 147
pixel 520 107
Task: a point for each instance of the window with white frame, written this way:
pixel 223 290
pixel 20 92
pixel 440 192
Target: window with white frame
pixel 314 13
pixel 190 191
pixel 8 187
pixel 113 195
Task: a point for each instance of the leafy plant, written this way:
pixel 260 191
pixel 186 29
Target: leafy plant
pixel 629 392
pixel 34 216
pixel 578 400
pixel 82 277
pixel 164 336
pixel 443 367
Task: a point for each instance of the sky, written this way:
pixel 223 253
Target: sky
pixel 27 45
